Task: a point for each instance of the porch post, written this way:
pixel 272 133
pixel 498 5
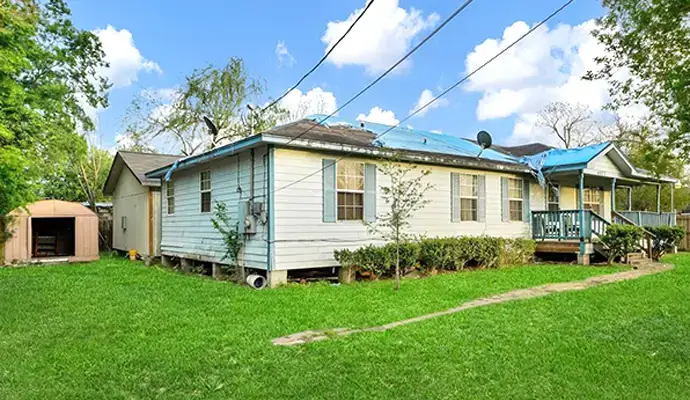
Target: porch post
pixel 613 195
pixel 629 198
pixel 658 198
pixel 673 210
pixel 581 208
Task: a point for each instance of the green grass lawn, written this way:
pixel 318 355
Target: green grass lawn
pixel 115 329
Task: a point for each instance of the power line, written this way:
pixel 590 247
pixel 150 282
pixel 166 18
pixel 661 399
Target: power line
pixel 389 70
pixel 274 102
pixel 443 93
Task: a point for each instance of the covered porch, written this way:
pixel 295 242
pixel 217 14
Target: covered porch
pixel 579 202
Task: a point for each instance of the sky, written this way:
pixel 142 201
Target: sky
pixel 152 45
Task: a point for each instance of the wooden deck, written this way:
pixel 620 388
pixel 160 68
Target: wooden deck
pixel 553 246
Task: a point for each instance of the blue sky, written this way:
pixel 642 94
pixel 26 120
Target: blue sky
pixel 173 38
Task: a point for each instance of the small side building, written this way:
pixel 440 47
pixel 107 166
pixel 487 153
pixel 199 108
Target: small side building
pixel 52 230
pixel 136 201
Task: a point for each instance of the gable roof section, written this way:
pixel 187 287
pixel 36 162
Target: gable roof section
pixel 138 164
pixel 556 160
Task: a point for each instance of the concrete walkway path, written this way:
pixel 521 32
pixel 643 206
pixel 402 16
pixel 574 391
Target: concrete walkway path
pixel 537 291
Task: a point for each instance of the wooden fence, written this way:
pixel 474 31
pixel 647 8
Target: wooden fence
pixel 684 221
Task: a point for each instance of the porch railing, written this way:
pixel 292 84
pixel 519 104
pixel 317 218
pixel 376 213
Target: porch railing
pixel 649 218
pixel 565 224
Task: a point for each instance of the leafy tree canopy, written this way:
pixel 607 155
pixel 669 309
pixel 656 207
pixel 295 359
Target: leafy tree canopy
pixel 48 74
pixel 649 40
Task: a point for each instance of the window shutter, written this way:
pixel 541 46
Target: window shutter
pixel 370 192
pixel 329 192
pixel 505 204
pixel 454 197
pixel 525 200
pixel 481 198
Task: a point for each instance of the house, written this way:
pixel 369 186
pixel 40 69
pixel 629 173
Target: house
pixel 136 201
pixel 301 190
pixel 52 231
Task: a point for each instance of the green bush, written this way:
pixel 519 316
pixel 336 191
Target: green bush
pixel 379 260
pixel 518 251
pixel 665 238
pixel 429 254
pixel 622 239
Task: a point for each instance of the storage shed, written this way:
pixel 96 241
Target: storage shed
pixel 52 230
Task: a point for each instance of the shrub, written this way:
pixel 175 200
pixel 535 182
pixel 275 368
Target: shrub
pixel 429 254
pixel 622 239
pixel 379 260
pixel 665 238
pixel 518 251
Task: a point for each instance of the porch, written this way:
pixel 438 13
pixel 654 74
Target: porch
pixel 577 230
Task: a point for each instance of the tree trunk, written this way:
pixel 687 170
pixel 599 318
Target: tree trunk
pixel 397 266
pixel 3 239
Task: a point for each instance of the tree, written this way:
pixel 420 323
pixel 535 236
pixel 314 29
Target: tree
pixel 648 41
pixel 93 172
pixel 404 196
pixel 573 124
pixel 639 143
pixel 48 74
pixel 218 94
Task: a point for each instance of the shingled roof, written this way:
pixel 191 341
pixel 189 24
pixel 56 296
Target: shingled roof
pixel 139 164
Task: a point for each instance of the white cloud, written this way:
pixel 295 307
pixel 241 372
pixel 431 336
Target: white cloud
pixel 283 55
pixel 545 67
pixel 425 97
pixel 378 115
pixel 125 59
pixel 380 38
pixel 315 101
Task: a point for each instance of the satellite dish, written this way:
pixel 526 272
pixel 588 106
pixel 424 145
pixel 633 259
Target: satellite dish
pixel 211 125
pixel 484 141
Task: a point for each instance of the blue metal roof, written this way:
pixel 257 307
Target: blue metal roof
pixel 576 156
pixel 402 138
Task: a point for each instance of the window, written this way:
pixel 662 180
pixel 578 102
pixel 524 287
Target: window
pixel 593 199
pixel 515 192
pixel 350 189
pixel 553 197
pixel 468 197
pixel 205 189
pixel 170 196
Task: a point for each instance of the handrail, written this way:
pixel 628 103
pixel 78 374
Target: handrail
pixel 648 236
pixel 598 223
pixel 627 221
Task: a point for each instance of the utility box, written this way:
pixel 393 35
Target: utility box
pixel 247 220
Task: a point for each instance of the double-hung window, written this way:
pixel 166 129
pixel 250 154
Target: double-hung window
pixel 170 196
pixel 553 197
pixel 515 198
pixel 469 194
pixel 593 199
pixel 205 190
pixel 350 190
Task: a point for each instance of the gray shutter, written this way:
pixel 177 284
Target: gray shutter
pixel 454 197
pixel 505 204
pixel 481 198
pixel 525 200
pixel 329 194
pixel 370 192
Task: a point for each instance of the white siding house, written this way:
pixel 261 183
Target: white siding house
pixel 136 201
pixel 307 196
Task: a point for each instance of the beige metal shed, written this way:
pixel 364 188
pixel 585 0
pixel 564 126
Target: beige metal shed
pixel 53 230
